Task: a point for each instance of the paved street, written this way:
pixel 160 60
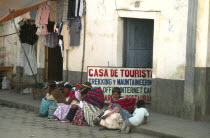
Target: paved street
pixel 18 123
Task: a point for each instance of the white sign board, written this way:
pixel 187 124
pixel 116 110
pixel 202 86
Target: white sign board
pixel 133 82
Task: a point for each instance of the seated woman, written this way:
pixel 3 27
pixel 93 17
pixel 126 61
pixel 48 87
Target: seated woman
pixel 66 103
pixel 48 100
pixel 78 96
pixel 119 106
pixel 91 106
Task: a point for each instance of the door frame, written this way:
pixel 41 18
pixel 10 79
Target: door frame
pixel 123 14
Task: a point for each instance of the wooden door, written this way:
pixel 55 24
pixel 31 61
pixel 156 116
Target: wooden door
pixel 53 64
pixel 139 43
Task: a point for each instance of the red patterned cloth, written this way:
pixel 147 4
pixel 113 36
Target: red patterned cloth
pixel 95 97
pixel 72 95
pixel 127 103
pixel 79 118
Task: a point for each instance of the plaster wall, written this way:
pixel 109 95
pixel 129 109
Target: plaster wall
pixel 202 35
pixel 104 35
pixel 11 45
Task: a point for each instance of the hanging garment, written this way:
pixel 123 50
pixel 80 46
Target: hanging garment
pixel 33 14
pixel 44 30
pixel 28 32
pixel 53 11
pixel 75 26
pixel 59 27
pixel 51 40
pixel 39 30
pixel 50 26
pixel 61 44
pixel 45 15
pixel 71 7
pixel 31 54
pixel 59 13
pixel 76 8
pixel 81 6
pixel 38 16
pixel 65 10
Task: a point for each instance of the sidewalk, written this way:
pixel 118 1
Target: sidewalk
pixel 158 124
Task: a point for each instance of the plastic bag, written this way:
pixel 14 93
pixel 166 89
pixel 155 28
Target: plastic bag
pixel 5 83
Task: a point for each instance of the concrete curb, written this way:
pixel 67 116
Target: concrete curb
pixel 19 106
pixel 153 133
pixel 134 130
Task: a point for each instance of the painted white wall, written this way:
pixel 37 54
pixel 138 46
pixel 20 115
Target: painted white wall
pixel 202 35
pixel 101 37
pixel 170 29
pixel 104 36
pixel 105 28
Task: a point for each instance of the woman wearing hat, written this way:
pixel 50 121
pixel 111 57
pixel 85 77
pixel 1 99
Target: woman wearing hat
pixel 117 110
pixel 65 104
pixel 91 106
pixel 48 100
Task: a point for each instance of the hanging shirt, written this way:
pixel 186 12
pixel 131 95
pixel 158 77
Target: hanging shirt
pixel 61 44
pixel 50 26
pixel 31 54
pixel 33 13
pixel 75 26
pixel 59 13
pixel 81 8
pixel 38 16
pixel 76 8
pixel 51 40
pixel 53 11
pixel 28 32
pixel 44 30
pixel 45 15
pixel 71 9
pixel 65 10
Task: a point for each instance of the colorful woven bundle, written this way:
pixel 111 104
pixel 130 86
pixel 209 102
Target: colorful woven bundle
pixel 95 97
pixel 127 103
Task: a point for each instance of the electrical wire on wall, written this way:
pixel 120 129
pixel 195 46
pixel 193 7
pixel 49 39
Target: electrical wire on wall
pixel 83 54
pixel 7 35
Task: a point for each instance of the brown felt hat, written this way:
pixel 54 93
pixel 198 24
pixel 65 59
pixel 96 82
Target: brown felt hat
pixel 87 84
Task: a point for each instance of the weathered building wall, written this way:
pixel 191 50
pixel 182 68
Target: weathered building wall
pixel 169 49
pixel 11 52
pixel 101 40
pixel 196 94
pixel 104 45
pixel 104 35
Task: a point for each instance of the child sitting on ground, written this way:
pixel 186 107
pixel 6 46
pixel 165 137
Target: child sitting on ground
pixel 139 117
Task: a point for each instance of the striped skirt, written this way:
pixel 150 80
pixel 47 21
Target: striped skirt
pixel 52 109
pixel 91 112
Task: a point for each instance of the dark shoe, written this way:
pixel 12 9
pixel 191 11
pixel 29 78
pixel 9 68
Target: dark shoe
pixel 102 128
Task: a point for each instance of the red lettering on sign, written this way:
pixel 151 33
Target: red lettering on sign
pixel 90 73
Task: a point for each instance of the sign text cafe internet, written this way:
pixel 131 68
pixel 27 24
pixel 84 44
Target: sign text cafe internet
pixel 133 82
